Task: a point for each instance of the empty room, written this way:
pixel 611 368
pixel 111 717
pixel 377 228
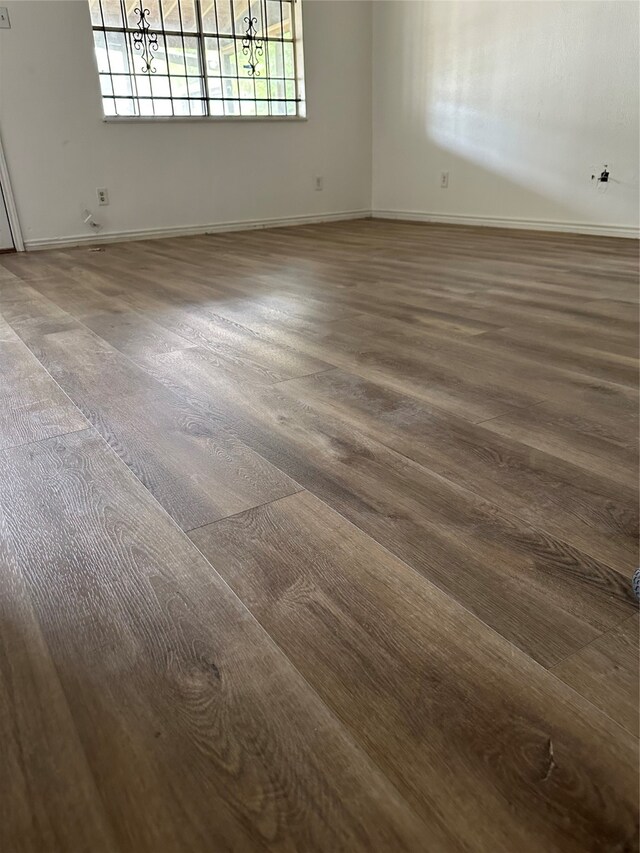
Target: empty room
pixel 319 426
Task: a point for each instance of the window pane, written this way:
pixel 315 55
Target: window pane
pixel 176 55
pixel 192 55
pixel 122 85
pixel 179 87
pixel 118 56
pixel 246 90
pixel 216 17
pixel 179 15
pixel 230 86
pixel 96 17
pixel 105 84
pixel 275 58
pixel 212 57
pixel 101 52
pixel 162 107
pixel 160 87
pixel 195 87
pixel 277 89
pixel 197 108
pixel 142 83
pixel 125 107
pixel 287 21
pixel 232 108
pixel 215 87
pixel 146 107
pixel 216 108
pixel 109 106
pixel 228 57
pixel 274 18
pixel 248 108
pixel 111 14
pixel 181 107
pixel 289 64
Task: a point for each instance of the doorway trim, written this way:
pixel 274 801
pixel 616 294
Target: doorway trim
pixel 9 202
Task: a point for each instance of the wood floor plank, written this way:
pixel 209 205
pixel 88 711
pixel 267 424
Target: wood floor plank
pixel 48 796
pixel 543 594
pixel 197 470
pixel 552 349
pixel 408 370
pixel 134 335
pixel 487 369
pixel 200 733
pixel 358 623
pixel 239 349
pixel 6 332
pixel 600 439
pixel 32 406
pixel 461 406
pixel 592 512
pixel 606 672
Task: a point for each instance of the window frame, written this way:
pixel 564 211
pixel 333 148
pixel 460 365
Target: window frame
pixel 201 35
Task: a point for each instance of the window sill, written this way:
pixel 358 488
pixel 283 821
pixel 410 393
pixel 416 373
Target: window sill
pixel 153 119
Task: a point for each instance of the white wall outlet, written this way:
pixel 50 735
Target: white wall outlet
pixel 318 183
pixel 103 195
pixel 444 180
pixel 5 23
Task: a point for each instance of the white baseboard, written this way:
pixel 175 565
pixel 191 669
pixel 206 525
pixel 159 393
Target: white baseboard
pixel 526 224
pixel 92 238
pixel 186 230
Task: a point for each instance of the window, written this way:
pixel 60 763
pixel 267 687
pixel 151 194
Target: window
pixel 219 58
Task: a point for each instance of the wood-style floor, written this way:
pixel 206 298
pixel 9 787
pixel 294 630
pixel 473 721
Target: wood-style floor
pixel 320 539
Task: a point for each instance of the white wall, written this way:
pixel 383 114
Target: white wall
pixel 177 174
pixel 519 101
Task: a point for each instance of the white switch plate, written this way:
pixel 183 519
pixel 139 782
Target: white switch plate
pixel 444 180
pixel 5 23
pixel 319 183
pixel 103 195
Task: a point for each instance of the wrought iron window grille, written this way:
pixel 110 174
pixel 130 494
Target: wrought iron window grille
pixel 199 58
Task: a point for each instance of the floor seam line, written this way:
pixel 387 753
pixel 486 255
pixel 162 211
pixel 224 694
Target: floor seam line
pixel 243 511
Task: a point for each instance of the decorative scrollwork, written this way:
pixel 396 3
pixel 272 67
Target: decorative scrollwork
pixel 144 41
pixel 252 45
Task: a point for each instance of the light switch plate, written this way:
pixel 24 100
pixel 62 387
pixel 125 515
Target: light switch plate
pixel 5 23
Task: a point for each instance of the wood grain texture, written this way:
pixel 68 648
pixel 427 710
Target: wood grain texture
pixel 600 438
pixel 606 672
pixel 543 594
pixel 196 472
pixel 424 686
pixel 461 407
pixel 595 514
pixel 199 733
pixel 48 797
pixel 32 405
